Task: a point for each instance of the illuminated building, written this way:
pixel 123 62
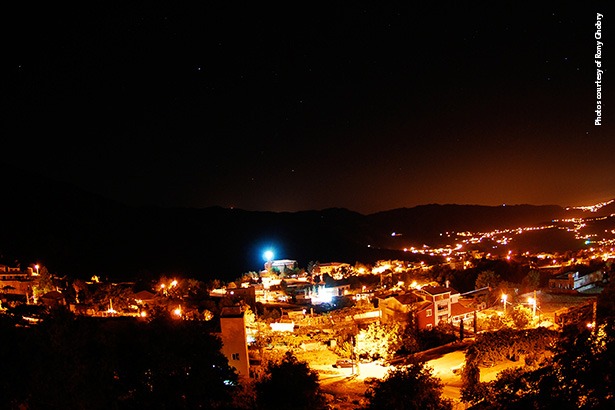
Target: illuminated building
pixel 431 305
pixel 234 339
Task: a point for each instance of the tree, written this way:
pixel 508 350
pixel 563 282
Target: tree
pixel 378 341
pixel 105 292
pixel 81 363
pixel 410 334
pixel 471 386
pixel 606 302
pixel 214 284
pixel 487 278
pixel 328 279
pixel 567 380
pixel 440 335
pixel 410 387
pixel 289 383
pixel 81 290
pixel 196 288
pixel 521 316
pixel 532 280
pixel 310 267
pixel 249 316
pixel 583 371
pixel 493 322
pixel 45 283
pixel 490 279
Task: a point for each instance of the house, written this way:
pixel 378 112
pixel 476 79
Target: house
pixel 430 304
pixel 445 306
pixel 322 293
pixel 440 301
pixel 14 281
pixel 269 279
pixel 394 308
pixel 334 269
pixel 281 265
pixel 574 281
pixel 284 325
pixel 5 269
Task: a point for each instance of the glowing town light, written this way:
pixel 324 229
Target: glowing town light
pixel 532 302
pixel 268 255
pixel 111 310
pixel 178 312
pixel 173 284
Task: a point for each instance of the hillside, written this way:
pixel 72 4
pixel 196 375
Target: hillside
pixel 77 233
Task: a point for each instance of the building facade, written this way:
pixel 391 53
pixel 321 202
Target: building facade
pixel 431 305
pixel 234 339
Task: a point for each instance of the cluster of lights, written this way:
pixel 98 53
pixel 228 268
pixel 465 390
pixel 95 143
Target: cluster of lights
pixel 499 236
pixel 165 288
pixel 426 250
pixel 592 208
pixel 505 236
pixel 531 301
pixel 395 266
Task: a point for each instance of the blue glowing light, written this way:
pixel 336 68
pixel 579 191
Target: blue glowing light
pixel 268 255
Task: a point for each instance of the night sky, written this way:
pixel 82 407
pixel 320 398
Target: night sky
pixel 301 105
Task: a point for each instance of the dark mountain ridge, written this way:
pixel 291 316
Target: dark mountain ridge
pixel 431 220
pixel 80 234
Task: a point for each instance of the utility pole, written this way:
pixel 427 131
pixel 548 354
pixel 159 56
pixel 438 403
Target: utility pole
pixel 594 316
pixel 352 355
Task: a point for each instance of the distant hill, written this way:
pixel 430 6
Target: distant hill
pixel 77 233
pixel 426 222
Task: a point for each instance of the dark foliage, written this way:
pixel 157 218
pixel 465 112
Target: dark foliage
pixel 68 362
pixel 509 344
pixel 289 384
pixel 606 302
pixel 438 336
pixel 408 388
pixel 578 376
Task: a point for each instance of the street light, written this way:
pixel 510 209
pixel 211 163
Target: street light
pixel 36 267
pixel 268 255
pixel 504 297
pixel 532 302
